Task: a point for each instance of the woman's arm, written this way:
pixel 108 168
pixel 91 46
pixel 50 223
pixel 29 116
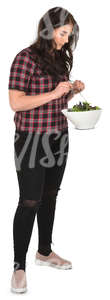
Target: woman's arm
pixel 20 102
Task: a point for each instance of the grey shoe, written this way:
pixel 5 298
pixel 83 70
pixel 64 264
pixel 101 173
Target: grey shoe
pixel 19 282
pixel 52 260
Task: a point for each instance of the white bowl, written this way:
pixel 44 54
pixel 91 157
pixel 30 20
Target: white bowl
pixel 83 119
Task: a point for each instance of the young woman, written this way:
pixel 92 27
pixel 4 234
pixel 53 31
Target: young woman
pixel 39 88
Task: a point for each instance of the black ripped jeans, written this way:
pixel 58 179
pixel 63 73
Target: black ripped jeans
pixel 40 160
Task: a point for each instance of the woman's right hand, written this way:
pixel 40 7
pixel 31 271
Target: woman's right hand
pixel 62 88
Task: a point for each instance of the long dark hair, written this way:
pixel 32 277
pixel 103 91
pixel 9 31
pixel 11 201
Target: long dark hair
pixel 52 61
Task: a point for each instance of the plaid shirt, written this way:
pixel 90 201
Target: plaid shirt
pixel 27 76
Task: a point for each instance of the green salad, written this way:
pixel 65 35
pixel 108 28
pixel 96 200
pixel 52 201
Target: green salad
pixel 83 106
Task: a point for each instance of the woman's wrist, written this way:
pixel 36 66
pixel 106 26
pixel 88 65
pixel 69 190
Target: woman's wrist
pixel 53 96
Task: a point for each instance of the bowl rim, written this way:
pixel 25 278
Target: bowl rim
pixel 86 111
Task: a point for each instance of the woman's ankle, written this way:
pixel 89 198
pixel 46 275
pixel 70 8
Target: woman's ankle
pixel 19 266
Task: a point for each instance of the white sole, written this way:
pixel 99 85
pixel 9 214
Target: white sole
pixel 20 290
pixel 45 263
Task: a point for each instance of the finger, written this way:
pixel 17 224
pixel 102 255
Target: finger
pixel 67 83
pixel 64 82
pixel 78 82
pixel 79 86
pixel 67 86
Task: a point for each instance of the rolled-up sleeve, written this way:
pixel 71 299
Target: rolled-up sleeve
pixel 21 70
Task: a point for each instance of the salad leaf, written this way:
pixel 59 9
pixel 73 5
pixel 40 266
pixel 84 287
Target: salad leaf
pixel 83 106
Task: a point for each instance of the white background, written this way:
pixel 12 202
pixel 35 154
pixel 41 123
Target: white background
pixel 82 222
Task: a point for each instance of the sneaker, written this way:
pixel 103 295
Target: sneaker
pixel 18 282
pixel 52 260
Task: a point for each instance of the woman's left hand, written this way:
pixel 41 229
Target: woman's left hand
pixel 78 86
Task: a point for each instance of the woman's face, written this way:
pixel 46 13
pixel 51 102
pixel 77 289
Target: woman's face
pixel 61 35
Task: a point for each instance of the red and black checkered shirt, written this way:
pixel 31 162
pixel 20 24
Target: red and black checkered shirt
pixel 27 76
